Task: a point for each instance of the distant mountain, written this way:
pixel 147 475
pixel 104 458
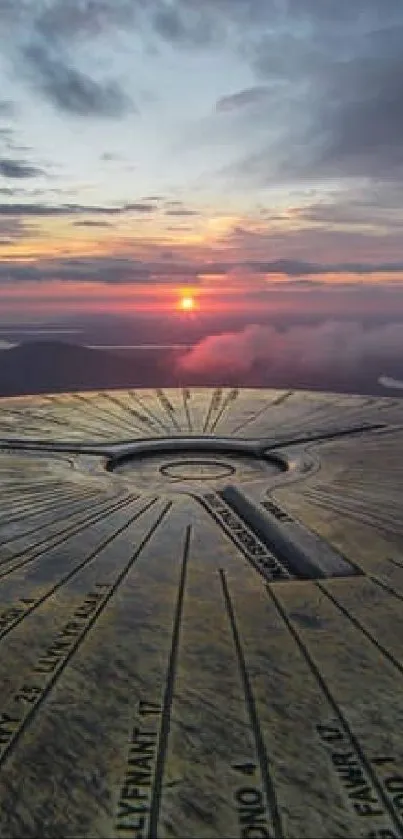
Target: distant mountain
pixel 51 366
pixel 56 366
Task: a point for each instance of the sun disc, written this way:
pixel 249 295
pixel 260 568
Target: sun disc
pixel 187 303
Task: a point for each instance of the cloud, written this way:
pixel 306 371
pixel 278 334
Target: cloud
pixel 17 169
pixel 185 25
pixel 83 18
pixel 295 268
pixel 71 90
pixel 243 99
pixel 108 157
pixel 13 228
pixel 7 108
pixel 139 207
pixel 181 212
pixel 16 209
pixel 108 270
pixel 336 346
pixel 331 95
pixel 90 223
pixel 388 381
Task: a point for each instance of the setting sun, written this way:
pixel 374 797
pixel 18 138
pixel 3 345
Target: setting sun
pixel 187 303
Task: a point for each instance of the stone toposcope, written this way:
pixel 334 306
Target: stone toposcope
pixel 201 615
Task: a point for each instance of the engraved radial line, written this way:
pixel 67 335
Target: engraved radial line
pixel 54 508
pixel 45 504
pixel 64 537
pixel 385 586
pixel 127 417
pixel 210 408
pixel 395 562
pixel 337 710
pixel 165 403
pixel 362 628
pixel 231 396
pixel 46 690
pixel 101 416
pixel 372 520
pixel 168 696
pixel 71 408
pixel 252 419
pixel 186 397
pixel 253 715
pixel 147 410
pixel 72 422
pixel 119 421
pixel 83 505
pixel 67 577
pixel 133 412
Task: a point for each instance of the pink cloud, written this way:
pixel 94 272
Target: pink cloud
pixel 308 349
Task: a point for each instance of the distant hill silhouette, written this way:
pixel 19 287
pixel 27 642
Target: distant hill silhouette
pixel 51 366
pixel 57 366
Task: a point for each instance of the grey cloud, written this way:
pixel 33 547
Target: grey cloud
pixel 110 157
pixel 184 24
pixel 181 212
pixel 334 97
pixel 295 268
pixel 84 18
pixel 71 90
pixel 89 223
pixel 16 169
pixel 243 99
pixel 140 207
pixel 7 107
pixel 169 268
pixel 70 209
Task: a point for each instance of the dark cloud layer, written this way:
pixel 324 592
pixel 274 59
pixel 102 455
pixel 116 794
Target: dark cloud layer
pixel 181 212
pixel 89 223
pixel 17 169
pixel 71 90
pixel 71 209
pixel 243 99
pixel 169 269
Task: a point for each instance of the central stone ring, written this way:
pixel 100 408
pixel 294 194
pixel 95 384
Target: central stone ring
pixel 197 470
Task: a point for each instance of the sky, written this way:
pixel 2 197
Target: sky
pixel 246 153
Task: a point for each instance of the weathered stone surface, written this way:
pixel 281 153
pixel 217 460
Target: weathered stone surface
pixel 201 615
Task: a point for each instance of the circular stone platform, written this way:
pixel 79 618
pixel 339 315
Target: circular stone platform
pixel 209 465
pixel 201 626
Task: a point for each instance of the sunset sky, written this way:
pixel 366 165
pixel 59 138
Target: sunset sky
pixel 247 153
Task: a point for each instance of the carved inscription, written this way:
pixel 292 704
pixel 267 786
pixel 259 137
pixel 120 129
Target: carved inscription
pixel 251 811
pixel 15 613
pixel 33 690
pixel 392 780
pixel 134 804
pixel 257 553
pixel 276 511
pixel 355 779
